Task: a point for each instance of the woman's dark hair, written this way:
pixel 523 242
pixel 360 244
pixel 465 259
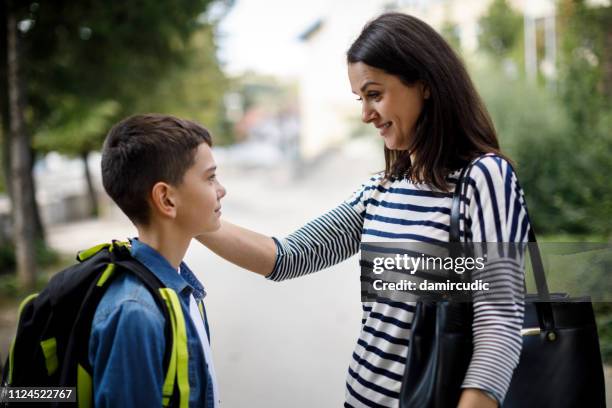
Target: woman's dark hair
pixel 454 126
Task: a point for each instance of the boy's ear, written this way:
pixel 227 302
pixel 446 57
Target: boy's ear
pixel 163 200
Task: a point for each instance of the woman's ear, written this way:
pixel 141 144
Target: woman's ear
pixel 425 90
pixel 163 201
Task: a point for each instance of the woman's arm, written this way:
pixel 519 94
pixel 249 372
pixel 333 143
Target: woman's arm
pixel 245 248
pixel 321 243
pixel 498 214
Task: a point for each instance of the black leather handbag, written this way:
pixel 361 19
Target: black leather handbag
pixel 560 363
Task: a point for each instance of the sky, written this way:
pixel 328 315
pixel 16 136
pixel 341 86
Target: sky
pixel 262 35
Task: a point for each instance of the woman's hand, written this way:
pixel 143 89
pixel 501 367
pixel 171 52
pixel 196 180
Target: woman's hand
pixel 245 248
pixel 475 398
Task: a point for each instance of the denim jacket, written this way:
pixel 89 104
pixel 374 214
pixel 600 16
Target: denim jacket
pixel 127 343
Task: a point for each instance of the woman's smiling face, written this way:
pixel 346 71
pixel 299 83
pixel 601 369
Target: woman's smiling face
pixel 390 105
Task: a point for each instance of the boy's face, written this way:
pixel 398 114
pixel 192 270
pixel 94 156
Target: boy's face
pixel 199 195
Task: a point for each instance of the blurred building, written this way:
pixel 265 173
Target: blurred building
pixel 329 114
pixel 327 107
pixel 264 117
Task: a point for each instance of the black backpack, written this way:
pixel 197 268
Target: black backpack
pixel 50 348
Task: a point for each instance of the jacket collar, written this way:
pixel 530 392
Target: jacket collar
pixel 162 269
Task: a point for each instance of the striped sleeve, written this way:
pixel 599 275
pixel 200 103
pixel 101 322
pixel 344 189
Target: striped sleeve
pixel 497 213
pixel 321 243
pixel 325 241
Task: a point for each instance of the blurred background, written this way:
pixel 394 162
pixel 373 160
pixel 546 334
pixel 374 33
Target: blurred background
pixel 268 79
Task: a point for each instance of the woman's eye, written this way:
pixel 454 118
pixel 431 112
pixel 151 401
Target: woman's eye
pixel 370 95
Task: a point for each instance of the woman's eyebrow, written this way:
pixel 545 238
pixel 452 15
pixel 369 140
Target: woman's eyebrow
pixel 368 83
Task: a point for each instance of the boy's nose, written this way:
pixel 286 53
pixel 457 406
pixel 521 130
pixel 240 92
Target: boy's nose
pixel 221 192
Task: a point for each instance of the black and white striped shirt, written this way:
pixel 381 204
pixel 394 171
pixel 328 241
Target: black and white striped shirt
pixel 493 207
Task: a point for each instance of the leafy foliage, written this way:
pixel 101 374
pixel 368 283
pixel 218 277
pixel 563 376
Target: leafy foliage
pixel 194 90
pixel 500 29
pixel 89 63
pixel 560 139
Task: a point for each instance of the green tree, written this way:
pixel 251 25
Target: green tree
pixel 585 80
pixel 559 137
pixel 450 32
pixel 585 61
pixel 500 29
pixel 77 130
pixel 194 89
pixel 21 183
pixel 83 64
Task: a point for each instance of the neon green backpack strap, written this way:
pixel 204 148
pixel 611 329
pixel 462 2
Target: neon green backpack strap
pixel 178 370
pixel 110 268
pixel 84 388
pixel 88 253
pixel 11 358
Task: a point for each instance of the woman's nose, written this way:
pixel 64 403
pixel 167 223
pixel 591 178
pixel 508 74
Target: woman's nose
pixel 367 114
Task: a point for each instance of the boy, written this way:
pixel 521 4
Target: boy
pixel 160 171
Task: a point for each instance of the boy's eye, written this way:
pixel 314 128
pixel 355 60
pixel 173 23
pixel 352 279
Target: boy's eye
pixel 213 177
pixel 359 99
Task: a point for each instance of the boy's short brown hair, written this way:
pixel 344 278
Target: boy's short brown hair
pixel 142 150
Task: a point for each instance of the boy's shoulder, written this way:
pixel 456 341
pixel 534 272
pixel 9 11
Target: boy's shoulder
pixel 127 292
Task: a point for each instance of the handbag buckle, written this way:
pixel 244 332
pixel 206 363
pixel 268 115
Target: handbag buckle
pixel 531 331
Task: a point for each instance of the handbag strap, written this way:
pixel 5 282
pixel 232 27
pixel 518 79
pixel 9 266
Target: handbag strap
pixel 454 236
pixel 534 252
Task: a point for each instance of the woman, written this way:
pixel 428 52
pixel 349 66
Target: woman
pixel 416 92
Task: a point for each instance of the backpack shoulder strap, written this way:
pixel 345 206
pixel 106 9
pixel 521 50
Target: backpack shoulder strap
pixel 176 357
pixel 120 260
